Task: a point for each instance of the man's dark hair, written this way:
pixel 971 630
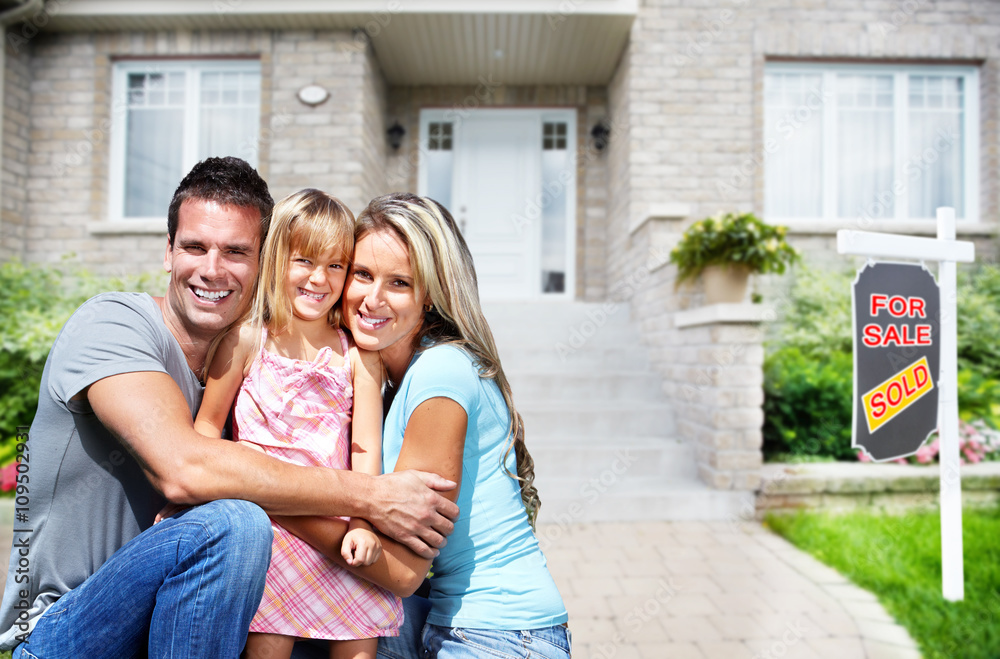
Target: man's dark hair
pixel 227 181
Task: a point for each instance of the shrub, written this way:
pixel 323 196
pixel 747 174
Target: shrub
pixel 807 404
pixel 35 302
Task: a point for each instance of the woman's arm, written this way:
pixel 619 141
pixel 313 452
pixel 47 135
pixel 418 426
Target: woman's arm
pixel 225 375
pixel 434 441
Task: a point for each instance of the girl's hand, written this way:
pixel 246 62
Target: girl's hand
pixel 169 510
pixel 361 547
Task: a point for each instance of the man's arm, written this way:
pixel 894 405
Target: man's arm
pixel 150 416
pixel 434 439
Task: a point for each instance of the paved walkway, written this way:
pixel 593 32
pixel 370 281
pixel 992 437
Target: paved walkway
pixel 682 590
pixel 679 590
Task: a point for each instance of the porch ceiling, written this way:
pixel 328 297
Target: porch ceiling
pixel 416 42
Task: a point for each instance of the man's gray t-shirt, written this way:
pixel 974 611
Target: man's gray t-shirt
pixel 86 495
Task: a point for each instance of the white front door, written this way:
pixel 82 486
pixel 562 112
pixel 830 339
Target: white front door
pixel 508 177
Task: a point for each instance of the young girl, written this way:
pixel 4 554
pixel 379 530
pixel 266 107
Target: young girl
pixel 294 374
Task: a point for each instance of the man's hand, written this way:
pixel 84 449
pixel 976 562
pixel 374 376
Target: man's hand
pixel 406 506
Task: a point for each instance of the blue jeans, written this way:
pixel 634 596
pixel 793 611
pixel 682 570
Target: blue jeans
pixel 186 587
pixel 420 640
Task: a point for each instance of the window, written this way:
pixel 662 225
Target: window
pixel 168 116
pixel 865 143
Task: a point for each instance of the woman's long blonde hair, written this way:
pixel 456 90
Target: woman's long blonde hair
pixel 444 272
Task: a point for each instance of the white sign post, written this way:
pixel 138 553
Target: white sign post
pixel 947 251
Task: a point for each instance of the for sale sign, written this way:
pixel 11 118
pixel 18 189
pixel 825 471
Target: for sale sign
pixel 896 358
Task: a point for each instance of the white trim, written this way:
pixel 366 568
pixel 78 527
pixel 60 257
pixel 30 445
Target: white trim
pixel 807 226
pixel 126 227
pixel 87 8
pixel 729 312
pixel 669 211
pixel 971 169
pixel 899 246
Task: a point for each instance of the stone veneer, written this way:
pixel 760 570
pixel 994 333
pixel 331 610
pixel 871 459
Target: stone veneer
pixel 15 148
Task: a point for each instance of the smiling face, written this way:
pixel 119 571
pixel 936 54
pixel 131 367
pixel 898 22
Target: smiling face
pixel 213 265
pixel 382 307
pixel 313 285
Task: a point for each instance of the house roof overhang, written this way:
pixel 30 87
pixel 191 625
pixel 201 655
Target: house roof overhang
pixel 416 42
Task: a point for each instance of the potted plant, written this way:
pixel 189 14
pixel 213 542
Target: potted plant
pixel 725 248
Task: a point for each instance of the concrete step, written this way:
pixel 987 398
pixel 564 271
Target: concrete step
pixel 553 357
pixel 593 418
pixel 670 500
pixel 602 385
pixel 638 457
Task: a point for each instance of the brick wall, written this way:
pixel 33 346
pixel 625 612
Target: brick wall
pixel 15 149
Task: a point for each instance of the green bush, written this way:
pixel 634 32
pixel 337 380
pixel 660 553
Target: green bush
pixel 35 302
pixel 807 404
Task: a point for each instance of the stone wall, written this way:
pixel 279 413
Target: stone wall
pixel 844 486
pixel 15 151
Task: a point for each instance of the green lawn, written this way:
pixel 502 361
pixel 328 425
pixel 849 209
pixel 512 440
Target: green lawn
pixel 898 558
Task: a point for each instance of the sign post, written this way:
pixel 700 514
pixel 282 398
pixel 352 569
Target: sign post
pixel 947 251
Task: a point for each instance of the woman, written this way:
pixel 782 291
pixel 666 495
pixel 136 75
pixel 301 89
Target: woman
pixel 411 295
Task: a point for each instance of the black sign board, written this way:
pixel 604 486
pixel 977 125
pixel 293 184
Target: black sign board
pixel 897 357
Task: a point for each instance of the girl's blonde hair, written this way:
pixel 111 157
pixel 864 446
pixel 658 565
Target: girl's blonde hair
pixel 444 272
pixel 311 223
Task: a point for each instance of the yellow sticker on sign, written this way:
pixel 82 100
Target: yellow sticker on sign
pixel 897 393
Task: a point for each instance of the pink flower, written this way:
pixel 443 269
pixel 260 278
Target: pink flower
pixel 925 454
pixel 8 477
pixel 863 457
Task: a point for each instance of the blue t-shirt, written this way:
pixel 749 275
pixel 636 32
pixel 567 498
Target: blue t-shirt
pixel 491 574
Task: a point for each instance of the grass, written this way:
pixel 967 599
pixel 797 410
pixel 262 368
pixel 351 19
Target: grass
pixel 898 558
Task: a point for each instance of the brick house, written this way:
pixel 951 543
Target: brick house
pixel 573 140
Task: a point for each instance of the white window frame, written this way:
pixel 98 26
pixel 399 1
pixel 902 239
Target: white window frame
pixel 119 117
pixel 901 72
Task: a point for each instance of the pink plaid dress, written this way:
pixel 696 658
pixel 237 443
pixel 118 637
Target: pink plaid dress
pixel 300 412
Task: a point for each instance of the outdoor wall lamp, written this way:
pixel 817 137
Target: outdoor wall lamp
pixel 395 133
pixel 601 132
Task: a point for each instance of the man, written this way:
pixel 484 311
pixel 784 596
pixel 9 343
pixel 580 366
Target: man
pixel 113 440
